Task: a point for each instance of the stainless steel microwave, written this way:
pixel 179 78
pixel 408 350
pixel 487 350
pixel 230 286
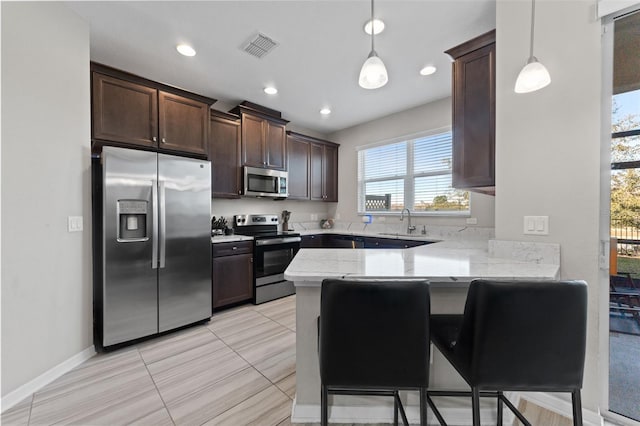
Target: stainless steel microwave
pixel 265 182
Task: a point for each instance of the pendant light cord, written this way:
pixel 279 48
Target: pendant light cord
pixel 533 20
pixel 372 27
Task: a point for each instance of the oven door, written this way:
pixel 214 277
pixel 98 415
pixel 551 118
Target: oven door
pixel 271 258
pixel 273 255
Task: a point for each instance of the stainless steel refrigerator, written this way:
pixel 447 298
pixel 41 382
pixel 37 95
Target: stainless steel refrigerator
pixel 152 244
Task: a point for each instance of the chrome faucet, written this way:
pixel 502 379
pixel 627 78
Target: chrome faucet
pixel 410 227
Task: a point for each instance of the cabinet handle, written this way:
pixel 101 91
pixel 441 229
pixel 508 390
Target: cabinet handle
pixel 155 139
pixel 164 140
pixel 234 248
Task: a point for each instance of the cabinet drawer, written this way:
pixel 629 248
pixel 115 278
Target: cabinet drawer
pixel 230 249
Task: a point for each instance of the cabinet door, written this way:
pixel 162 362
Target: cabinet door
pixel 275 145
pixel 252 142
pixel 330 173
pixel 124 112
pixel 224 154
pixel 232 279
pixel 312 241
pixel 474 119
pixel 298 152
pixel 183 124
pixel 317 190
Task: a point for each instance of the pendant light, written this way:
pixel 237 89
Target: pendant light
pixel 373 74
pixel 534 76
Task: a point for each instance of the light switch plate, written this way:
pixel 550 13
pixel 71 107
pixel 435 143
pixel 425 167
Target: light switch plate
pixel 74 224
pixel 536 225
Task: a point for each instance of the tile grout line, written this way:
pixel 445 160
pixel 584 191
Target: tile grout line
pixel 252 366
pixel 33 397
pixel 146 367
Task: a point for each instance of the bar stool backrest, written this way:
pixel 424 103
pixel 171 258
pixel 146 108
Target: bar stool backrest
pixel 524 335
pixel 374 334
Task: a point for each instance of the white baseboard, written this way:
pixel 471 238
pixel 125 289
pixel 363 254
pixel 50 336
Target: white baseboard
pixel 384 414
pixel 560 406
pixel 45 378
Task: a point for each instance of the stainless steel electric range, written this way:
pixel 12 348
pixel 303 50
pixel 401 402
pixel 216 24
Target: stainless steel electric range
pixel 273 251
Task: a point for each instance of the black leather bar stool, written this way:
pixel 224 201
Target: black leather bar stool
pixel 373 339
pixel 517 336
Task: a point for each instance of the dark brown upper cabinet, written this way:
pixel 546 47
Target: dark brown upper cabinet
pixel 224 154
pixel 298 157
pixel 313 168
pixel 263 136
pixel 183 123
pixel 129 110
pixel 474 103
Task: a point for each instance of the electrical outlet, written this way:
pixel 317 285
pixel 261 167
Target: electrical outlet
pixel 314 216
pixel 74 224
pixel 472 221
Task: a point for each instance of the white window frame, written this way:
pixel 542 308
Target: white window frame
pixel 408 178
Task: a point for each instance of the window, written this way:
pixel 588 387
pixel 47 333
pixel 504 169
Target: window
pixel 413 174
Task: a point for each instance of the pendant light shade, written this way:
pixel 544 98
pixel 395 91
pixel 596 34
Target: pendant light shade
pixel 373 74
pixel 533 76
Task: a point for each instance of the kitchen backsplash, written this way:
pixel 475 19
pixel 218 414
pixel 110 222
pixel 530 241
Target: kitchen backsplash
pixel 307 215
pixel 301 211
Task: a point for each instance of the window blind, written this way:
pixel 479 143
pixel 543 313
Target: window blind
pixel 413 174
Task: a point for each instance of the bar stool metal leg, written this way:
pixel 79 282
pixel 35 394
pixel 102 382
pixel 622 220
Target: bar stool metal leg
pixel 324 406
pixel 395 410
pixel 499 415
pixel 423 407
pixel 577 407
pixel 475 405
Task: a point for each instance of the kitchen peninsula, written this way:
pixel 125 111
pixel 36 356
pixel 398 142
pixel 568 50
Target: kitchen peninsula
pixel 449 265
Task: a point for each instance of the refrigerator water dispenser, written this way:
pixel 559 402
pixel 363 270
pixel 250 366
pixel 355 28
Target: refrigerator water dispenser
pixel 132 221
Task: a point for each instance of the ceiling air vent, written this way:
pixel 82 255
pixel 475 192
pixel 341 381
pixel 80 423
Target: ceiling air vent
pixel 260 45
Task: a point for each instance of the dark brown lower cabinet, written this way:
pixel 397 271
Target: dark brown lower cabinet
pixel 232 273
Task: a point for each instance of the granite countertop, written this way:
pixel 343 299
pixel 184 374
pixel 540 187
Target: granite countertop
pixel 229 238
pixel 446 262
pixel 394 236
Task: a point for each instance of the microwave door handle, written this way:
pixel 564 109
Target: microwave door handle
pixel 154 224
pixel 163 222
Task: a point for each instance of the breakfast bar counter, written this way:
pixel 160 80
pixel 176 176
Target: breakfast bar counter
pixel 449 265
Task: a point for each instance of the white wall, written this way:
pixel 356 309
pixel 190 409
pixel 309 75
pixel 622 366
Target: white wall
pixel 426 117
pixel 548 142
pixel 46 271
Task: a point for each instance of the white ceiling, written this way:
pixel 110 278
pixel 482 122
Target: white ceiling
pixel 321 48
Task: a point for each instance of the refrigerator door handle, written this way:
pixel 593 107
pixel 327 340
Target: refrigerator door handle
pixel 154 224
pixel 163 222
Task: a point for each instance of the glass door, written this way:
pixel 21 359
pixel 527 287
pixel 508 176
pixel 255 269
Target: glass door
pixel 624 283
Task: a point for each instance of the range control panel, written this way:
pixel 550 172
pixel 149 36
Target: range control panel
pixel 255 219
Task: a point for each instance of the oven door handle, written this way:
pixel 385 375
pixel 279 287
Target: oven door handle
pixel 273 241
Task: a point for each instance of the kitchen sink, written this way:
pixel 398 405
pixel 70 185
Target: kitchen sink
pixel 396 234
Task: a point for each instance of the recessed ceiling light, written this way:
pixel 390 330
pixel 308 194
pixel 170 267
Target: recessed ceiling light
pixel 428 70
pixel 270 90
pixel 186 50
pixel 378 26
pixel 325 111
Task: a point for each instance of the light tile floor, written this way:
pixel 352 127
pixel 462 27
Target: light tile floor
pixel 238 369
